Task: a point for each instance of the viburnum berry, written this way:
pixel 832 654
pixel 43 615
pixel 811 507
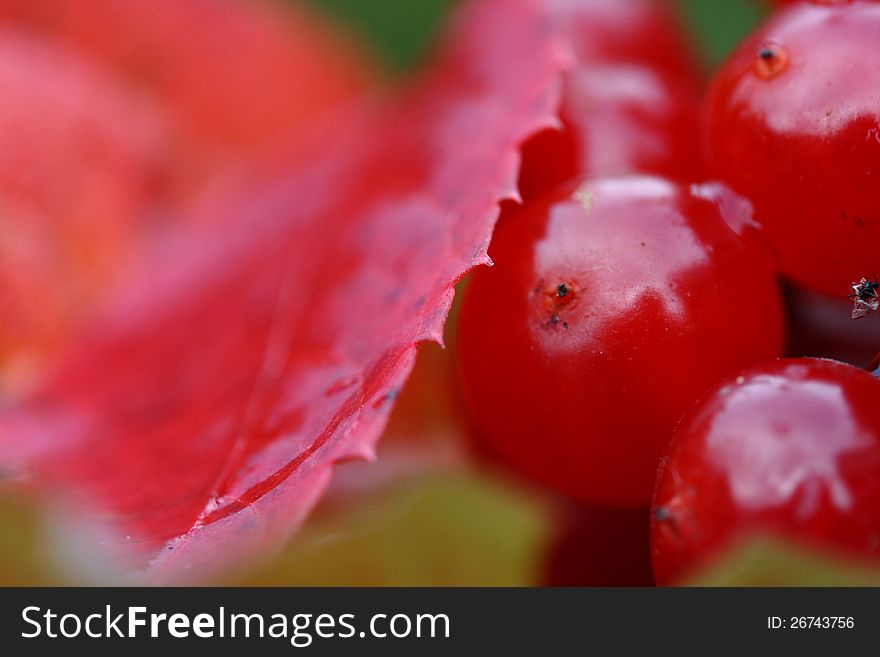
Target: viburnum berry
pixel 612 306
pixel 643 32
pixel 793 123
pixel 617 119
pixel 790 448
pixel 629 99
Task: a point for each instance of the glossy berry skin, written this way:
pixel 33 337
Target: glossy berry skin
pixel 791 447
pixel 629 100
pixel 612 306
pixel 643 32
pixel 617 119
pixel 792 122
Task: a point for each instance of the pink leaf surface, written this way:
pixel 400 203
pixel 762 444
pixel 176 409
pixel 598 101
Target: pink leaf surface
pixel 237 74
pixel 200 423
pixel 64 123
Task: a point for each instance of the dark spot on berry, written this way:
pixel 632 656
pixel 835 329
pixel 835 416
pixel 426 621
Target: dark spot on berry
pixel 554 321
pixel 772 59
pixel 662 514
pixel 642 244
pixel 557 299
pixel 559 295
pixel 860 221
pixel 665 517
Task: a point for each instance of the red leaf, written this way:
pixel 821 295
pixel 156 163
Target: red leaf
pixel 237 74
pixel 204 419
pixel 81 160
pixel 116 115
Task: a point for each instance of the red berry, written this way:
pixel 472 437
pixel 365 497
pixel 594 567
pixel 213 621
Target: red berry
pixel 629 102
pixel 793 123
pixel 612 306
pixel 643 32
pixel 617 118
pixel 791 447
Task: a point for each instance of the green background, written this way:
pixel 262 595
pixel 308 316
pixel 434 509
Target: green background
pixel 401 31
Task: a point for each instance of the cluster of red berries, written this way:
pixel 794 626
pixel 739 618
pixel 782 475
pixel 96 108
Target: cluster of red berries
pixel 627 341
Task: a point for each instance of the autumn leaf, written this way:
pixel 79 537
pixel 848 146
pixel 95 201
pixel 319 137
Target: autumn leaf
pixel 239 75
pixel 64 124
pixel 200 422
pixel 117 124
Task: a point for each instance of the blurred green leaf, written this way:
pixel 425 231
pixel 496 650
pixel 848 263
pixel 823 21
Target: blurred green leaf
pixel 401 30
pixel 771 562
pixel 22 559
pixel 451 530
pixel 719 25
